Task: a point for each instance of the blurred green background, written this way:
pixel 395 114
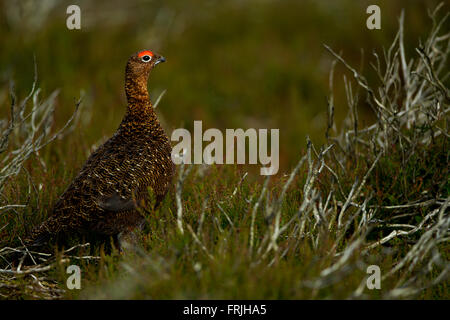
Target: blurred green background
pixel 231 64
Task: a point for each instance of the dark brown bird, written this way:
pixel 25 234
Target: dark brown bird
pixel 127 175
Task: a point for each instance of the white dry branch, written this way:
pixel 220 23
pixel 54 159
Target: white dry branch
pixel 425 103
pixel 24 134
pixel 47 288
pixel 182 175
pixel 255 210
pixel 411 95
pixel 28 130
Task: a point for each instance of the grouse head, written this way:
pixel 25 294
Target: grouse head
pixel 140 63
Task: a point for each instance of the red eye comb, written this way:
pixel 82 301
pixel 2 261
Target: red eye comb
pixel 145 52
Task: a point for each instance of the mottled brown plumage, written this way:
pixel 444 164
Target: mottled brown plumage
pixel 129 172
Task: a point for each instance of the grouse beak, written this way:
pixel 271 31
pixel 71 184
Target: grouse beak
pixel 159 60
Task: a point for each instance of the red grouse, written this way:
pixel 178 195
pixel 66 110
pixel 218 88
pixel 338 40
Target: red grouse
pixel 128 175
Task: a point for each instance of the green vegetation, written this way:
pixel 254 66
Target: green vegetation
pixel 371 186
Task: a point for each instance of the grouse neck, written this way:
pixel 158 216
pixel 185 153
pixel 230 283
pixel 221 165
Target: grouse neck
pixel 140 116
pixel 138 99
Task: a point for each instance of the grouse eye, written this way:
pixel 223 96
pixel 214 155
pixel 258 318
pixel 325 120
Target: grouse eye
pixel 146 58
